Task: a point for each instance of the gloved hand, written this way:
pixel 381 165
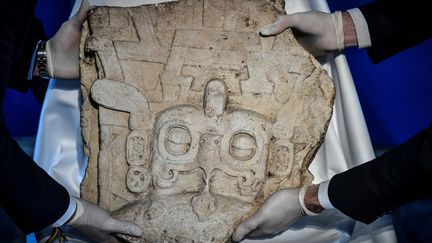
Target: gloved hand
pixel 277 213
pixel 88 215
pixel 63 49
pixel 319 32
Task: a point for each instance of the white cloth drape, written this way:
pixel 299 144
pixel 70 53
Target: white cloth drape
pixel 59 145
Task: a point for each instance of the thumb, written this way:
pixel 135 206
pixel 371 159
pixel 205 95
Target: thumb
pixel 282 23
pixel 246 227
pixel 122 227
pixel 79 18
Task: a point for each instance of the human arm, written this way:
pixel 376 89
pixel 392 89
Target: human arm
pixel 383 27
pixel 62 54
pixel 399 176
pixel 29 195
pixel 18 76
pixel 24 187
pixel 62 50
pixel 279 211
pixel 318 32
pixel 26 190
pixel 395 26
pixel 87 215
pixel 363 193
pixel 33 200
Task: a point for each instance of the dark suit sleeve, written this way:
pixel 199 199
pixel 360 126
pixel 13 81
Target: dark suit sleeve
pixel 19 70
pixel 395 26
pixel 31 198
pixel 399 176
pixel 18 76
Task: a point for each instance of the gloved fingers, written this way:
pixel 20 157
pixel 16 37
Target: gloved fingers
pixel 263 231
pixel 257 233
pixel 116 226
pixel 282 23
pixel 93 234
pixel 310 43
pixel 246 227
pixel 79 18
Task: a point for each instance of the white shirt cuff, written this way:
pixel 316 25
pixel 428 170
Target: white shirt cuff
pixel 70 210
pixel 361 28
pixel 323 195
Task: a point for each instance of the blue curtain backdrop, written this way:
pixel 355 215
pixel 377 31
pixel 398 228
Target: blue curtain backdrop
pixel 395 96
pixel 21 109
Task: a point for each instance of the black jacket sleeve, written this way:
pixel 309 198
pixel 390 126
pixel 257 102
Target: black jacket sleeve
pixel 19 71
pixel 399 176
pixel 395 26
pixel 18 76
pixel 402 174
pixel 30 196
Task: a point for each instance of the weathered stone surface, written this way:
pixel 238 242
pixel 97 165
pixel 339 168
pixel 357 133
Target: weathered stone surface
pixel 191 119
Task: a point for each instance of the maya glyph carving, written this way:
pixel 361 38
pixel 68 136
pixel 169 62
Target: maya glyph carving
pixel 191 119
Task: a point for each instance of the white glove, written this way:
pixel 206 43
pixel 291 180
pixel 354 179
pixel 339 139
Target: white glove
pixel 63 49
pixel 319 32
pixel 88 215
pixel 277 213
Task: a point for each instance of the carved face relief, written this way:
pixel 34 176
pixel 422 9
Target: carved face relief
pixel 211 159
pixel 191 119
pixel 209 153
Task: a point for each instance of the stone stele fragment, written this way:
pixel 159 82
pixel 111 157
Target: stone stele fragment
pixel 191 120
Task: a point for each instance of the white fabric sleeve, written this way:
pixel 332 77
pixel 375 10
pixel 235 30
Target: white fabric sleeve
pixel 323 195
pixel 70 210
pixel 361 28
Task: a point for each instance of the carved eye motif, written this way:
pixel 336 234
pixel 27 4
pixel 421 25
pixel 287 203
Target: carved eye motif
pixel 178 140
pixel 243 146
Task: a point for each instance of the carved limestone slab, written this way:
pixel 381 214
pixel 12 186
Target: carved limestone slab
pixel 191 120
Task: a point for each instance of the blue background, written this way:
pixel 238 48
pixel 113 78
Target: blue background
pixel 395 96
pixel 22 110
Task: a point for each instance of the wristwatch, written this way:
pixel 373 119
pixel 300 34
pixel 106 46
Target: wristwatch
pixel 40 61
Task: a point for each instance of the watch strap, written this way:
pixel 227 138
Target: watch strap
pixel 40 61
